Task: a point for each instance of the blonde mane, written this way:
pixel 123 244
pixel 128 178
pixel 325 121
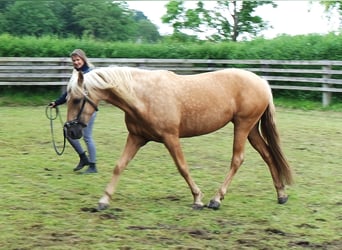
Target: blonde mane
pixel 118 79
pixel 72 87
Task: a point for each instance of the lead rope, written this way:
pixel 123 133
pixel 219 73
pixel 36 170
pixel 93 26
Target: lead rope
pixel 52 117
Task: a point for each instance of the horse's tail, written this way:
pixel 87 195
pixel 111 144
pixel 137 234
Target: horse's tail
pixel 270 133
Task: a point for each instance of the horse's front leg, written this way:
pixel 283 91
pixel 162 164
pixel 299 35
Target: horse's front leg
pixel 240 138
pixel 173 145
pixel 133 143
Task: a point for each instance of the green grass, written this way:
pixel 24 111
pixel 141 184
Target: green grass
pixel 303 104
pixel 28 95
pixel 45 205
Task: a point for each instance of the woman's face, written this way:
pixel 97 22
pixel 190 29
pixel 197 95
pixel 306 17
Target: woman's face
pixel 77 62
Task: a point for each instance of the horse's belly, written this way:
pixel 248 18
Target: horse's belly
pixel 203 124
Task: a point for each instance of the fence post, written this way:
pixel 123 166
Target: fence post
pixel 326 96
pixel 63 63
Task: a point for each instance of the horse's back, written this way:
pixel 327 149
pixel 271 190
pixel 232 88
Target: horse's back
pixel 238 88
pixel 239 79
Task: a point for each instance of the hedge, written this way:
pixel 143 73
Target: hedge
pixel 301 47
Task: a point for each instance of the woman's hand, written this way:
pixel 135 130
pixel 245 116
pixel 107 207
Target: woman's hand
pixel 52 105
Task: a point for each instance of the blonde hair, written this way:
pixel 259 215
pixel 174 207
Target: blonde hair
pixel 80 53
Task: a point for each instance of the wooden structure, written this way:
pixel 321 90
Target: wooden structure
pixel 324 76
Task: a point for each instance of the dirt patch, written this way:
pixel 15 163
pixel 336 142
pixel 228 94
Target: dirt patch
pixel 89 209
pixel 200 234
pixel 275 231
pixel 333 245
pixel 142 228
pixel 109 216
pixel 253 244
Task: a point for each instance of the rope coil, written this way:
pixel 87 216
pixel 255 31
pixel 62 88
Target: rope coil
pixel 53 117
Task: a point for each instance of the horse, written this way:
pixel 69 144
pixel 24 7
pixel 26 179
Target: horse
pixel 163 106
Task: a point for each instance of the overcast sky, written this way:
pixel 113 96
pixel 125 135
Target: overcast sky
pixel 290 17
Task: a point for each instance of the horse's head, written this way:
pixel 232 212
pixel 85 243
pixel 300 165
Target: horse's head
pixel 80 107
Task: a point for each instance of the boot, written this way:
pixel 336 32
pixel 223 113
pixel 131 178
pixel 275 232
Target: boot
pixel 91 169
pixel 83 162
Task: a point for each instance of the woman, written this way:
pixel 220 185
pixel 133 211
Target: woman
pixel 81 63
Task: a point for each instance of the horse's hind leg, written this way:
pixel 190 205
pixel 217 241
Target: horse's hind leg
pixel 259 145
pixel 173 145
pixel 132 146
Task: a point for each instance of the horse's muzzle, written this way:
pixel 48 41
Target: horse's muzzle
pixel 74 129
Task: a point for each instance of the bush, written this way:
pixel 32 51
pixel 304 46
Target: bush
pixel 301 47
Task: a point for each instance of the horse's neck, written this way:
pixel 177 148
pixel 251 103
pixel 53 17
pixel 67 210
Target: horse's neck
pixel 132 107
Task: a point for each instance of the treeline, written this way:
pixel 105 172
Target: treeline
pixel 100 19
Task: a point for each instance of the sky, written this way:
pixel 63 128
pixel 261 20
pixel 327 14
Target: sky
pixel 290 17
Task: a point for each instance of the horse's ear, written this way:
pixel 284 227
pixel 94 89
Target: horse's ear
pixel 80 78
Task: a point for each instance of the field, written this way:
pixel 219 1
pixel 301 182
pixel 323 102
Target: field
pixel 45 205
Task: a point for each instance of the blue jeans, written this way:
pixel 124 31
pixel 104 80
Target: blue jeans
pixel 88 139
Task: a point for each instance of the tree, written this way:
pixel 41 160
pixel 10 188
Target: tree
pixel 30 18
pixel 63 10
pixel 104 20
pixel 146 30
pixel 5 3
pixel 230 18
pixel 331 6
pixel 99 19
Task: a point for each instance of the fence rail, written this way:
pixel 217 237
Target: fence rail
pixel 324 76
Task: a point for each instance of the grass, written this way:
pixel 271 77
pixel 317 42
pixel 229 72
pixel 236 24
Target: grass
pixel 47 206
pixel 28 95
pixel 303 104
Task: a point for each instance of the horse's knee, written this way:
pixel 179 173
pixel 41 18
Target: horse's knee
pixel 117 170
pixel 237 161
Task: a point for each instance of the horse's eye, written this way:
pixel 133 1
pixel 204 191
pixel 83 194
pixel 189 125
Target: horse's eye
pixel 76 101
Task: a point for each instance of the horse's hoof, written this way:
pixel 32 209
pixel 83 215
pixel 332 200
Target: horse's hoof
pixel 102 206
pixel 197 206
pixel 282 200
pixel 214 204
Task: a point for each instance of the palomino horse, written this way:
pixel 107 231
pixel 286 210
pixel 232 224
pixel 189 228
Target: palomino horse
pixel 162 106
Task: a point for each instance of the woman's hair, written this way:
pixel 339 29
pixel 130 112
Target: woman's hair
pixel 80 53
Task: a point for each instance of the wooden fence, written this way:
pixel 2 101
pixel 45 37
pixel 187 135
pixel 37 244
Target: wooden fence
pixel 324 76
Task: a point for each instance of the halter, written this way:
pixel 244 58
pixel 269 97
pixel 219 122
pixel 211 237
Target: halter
pixel 74 128
pixel 85 99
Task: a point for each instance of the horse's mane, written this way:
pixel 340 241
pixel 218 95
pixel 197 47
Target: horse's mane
pixel 118 79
